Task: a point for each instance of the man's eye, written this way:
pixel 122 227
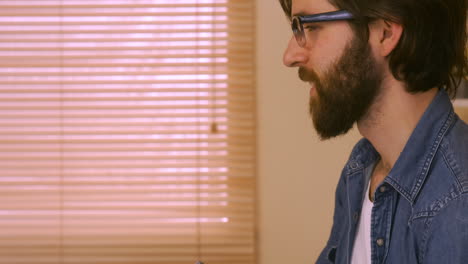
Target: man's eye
pixel 311 28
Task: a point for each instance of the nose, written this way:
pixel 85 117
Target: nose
pixel 294 55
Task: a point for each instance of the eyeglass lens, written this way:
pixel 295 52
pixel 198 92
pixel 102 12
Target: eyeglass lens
pixel 298 31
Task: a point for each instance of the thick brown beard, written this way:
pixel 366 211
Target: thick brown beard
pixel 346 90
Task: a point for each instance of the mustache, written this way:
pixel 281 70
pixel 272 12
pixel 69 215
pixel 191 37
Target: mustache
pixel 307 76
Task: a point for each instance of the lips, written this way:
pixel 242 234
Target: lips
pixel 309 77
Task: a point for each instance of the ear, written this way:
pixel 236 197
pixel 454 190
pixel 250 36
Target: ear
pixel 384 36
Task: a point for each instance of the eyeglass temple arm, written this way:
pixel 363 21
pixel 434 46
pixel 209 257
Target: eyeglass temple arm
pixel 329 16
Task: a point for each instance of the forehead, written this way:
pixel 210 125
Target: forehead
pixel 310 7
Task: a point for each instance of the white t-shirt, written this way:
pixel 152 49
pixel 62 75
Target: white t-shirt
pixel 362 242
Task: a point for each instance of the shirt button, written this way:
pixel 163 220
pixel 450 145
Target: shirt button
pixel 382 189
pixel 380 242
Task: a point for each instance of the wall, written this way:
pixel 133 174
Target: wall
pixel 297 173
pixel 462 110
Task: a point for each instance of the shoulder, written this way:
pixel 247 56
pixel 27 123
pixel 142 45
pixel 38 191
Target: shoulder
pixel 455 210
pixel 447 178
pixel 454 151
pixel 446 186
pixel 452 215
pixel 446 238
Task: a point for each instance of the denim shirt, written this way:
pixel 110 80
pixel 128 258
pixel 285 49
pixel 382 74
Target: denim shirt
pixel 420 212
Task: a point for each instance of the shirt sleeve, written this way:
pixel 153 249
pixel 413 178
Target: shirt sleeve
pixel 447 236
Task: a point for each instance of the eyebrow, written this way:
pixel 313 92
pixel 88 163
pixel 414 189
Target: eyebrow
pixel 303 14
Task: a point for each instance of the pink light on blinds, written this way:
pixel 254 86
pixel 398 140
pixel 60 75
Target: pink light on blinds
pixel 127 131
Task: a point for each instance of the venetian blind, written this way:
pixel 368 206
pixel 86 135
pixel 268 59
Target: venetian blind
pixel 127 131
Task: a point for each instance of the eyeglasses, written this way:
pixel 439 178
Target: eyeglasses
pixel 297 22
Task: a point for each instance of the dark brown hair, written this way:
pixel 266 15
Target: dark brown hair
pixel 432 49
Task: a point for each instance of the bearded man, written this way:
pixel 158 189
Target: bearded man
pixel 389 66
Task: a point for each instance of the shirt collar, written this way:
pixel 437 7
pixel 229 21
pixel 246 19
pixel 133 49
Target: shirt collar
pixel 410 170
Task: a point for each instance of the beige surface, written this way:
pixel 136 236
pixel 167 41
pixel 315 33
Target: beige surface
pixel 297 173
pixel 462 112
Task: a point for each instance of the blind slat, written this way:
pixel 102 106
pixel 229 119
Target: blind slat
pixel 127 131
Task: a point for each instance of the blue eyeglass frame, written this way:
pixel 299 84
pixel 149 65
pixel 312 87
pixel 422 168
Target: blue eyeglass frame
pixel 297 22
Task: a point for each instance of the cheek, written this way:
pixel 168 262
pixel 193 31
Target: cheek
pixel 328 45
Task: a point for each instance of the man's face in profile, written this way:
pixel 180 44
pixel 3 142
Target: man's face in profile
pixel 343 74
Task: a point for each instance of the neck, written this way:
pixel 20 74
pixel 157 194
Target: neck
pixel 392 118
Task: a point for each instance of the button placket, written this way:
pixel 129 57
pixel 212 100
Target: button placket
pixel 382 211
